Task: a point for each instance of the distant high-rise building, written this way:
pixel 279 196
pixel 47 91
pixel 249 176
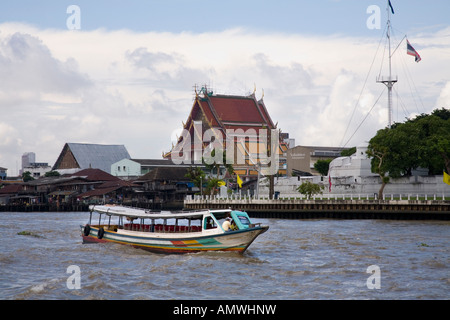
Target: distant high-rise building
pixel 27 159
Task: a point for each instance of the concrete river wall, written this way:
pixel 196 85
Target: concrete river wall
pixel 331 208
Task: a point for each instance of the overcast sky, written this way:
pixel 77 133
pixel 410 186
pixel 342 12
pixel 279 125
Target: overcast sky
pixel 125 73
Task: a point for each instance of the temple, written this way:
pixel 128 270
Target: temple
pixel 240 125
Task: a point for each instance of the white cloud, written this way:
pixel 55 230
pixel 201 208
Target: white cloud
pixel 444 98
pixel 136 88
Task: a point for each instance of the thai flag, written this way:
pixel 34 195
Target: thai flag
pixel 412 52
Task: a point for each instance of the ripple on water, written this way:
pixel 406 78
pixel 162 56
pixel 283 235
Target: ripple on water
pixel 295 259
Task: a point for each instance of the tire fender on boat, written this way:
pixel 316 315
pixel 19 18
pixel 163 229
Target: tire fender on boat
pixel 100 233
pixel 87 230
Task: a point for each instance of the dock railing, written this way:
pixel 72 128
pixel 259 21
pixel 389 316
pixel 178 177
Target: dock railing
pixel 346 206
pixel 367 197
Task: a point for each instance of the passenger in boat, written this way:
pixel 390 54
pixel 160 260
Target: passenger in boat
pixel 234 227
pixel 209 223
pixel 227 224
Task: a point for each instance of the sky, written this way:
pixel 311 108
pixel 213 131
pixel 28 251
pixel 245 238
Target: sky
pixel 123 72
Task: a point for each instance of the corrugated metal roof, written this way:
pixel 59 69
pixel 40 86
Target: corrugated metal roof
pixel 166 173
pixel 98 156
pixel 92 174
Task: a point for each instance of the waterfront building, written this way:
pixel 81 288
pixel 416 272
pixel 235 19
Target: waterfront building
pixel 108 188
pixel 9 191
pixel 301 159
pixel 37 169
pixel 167 186
pixel 352 175
pixel 130 169
pixel 3 174
pixel 78 156
pixel 354 167
pixel 126 169
pixel 236 121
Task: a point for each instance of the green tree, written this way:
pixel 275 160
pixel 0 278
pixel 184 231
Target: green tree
pixel 26 176
pixel 322 166
pixel 419 142
pixel 197 176
pixel 212 186
pixel 434 140
pixel 378 152
pixel 52 174
pixel 214 166
pixel 308 188
pixel 395 152
pixel 348 152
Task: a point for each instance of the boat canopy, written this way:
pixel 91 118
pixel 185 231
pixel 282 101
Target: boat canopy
pixel 130 212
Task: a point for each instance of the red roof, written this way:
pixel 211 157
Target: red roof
pixel 117 183
pixel 228 112
pixel 98 192
pixel 236 109
pixel 11 189
pixel 225 111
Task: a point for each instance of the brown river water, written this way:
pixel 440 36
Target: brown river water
pixel 294 260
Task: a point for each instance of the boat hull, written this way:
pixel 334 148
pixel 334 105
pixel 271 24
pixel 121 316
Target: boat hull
pixel 237 241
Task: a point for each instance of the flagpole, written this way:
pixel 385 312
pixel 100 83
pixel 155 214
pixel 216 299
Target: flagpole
pixel 390 84
pixel 390 81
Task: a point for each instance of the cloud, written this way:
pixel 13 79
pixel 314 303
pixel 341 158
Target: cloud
pixel 132 88
pixel 29 67
pixel 444 97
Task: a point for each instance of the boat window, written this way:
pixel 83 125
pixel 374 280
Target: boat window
pixel 244 220
pixel 165 225
pixel 210 223
pixel 195 225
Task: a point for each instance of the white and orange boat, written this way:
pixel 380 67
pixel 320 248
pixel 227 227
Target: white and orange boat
pixel 172 232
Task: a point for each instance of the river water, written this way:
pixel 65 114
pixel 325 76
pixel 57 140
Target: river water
pixel 295 259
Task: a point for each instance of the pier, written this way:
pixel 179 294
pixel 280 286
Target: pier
pixel 411 209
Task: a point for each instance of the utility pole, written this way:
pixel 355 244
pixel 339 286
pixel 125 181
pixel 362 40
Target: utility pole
pixel 271 177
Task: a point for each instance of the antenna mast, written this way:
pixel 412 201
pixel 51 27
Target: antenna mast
pixel 389 82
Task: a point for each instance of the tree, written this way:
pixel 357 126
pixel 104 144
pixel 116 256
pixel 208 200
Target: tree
pixel 197 176
pixel 308 188
pixel 52 174
pixel 212 186
pixel 378 152
pixel 215 166
pixel 435 141
pixel 348 152
pixel 395 152
pixel 322 166
pixel 419 142
pixel 26 176
pixel 213 183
